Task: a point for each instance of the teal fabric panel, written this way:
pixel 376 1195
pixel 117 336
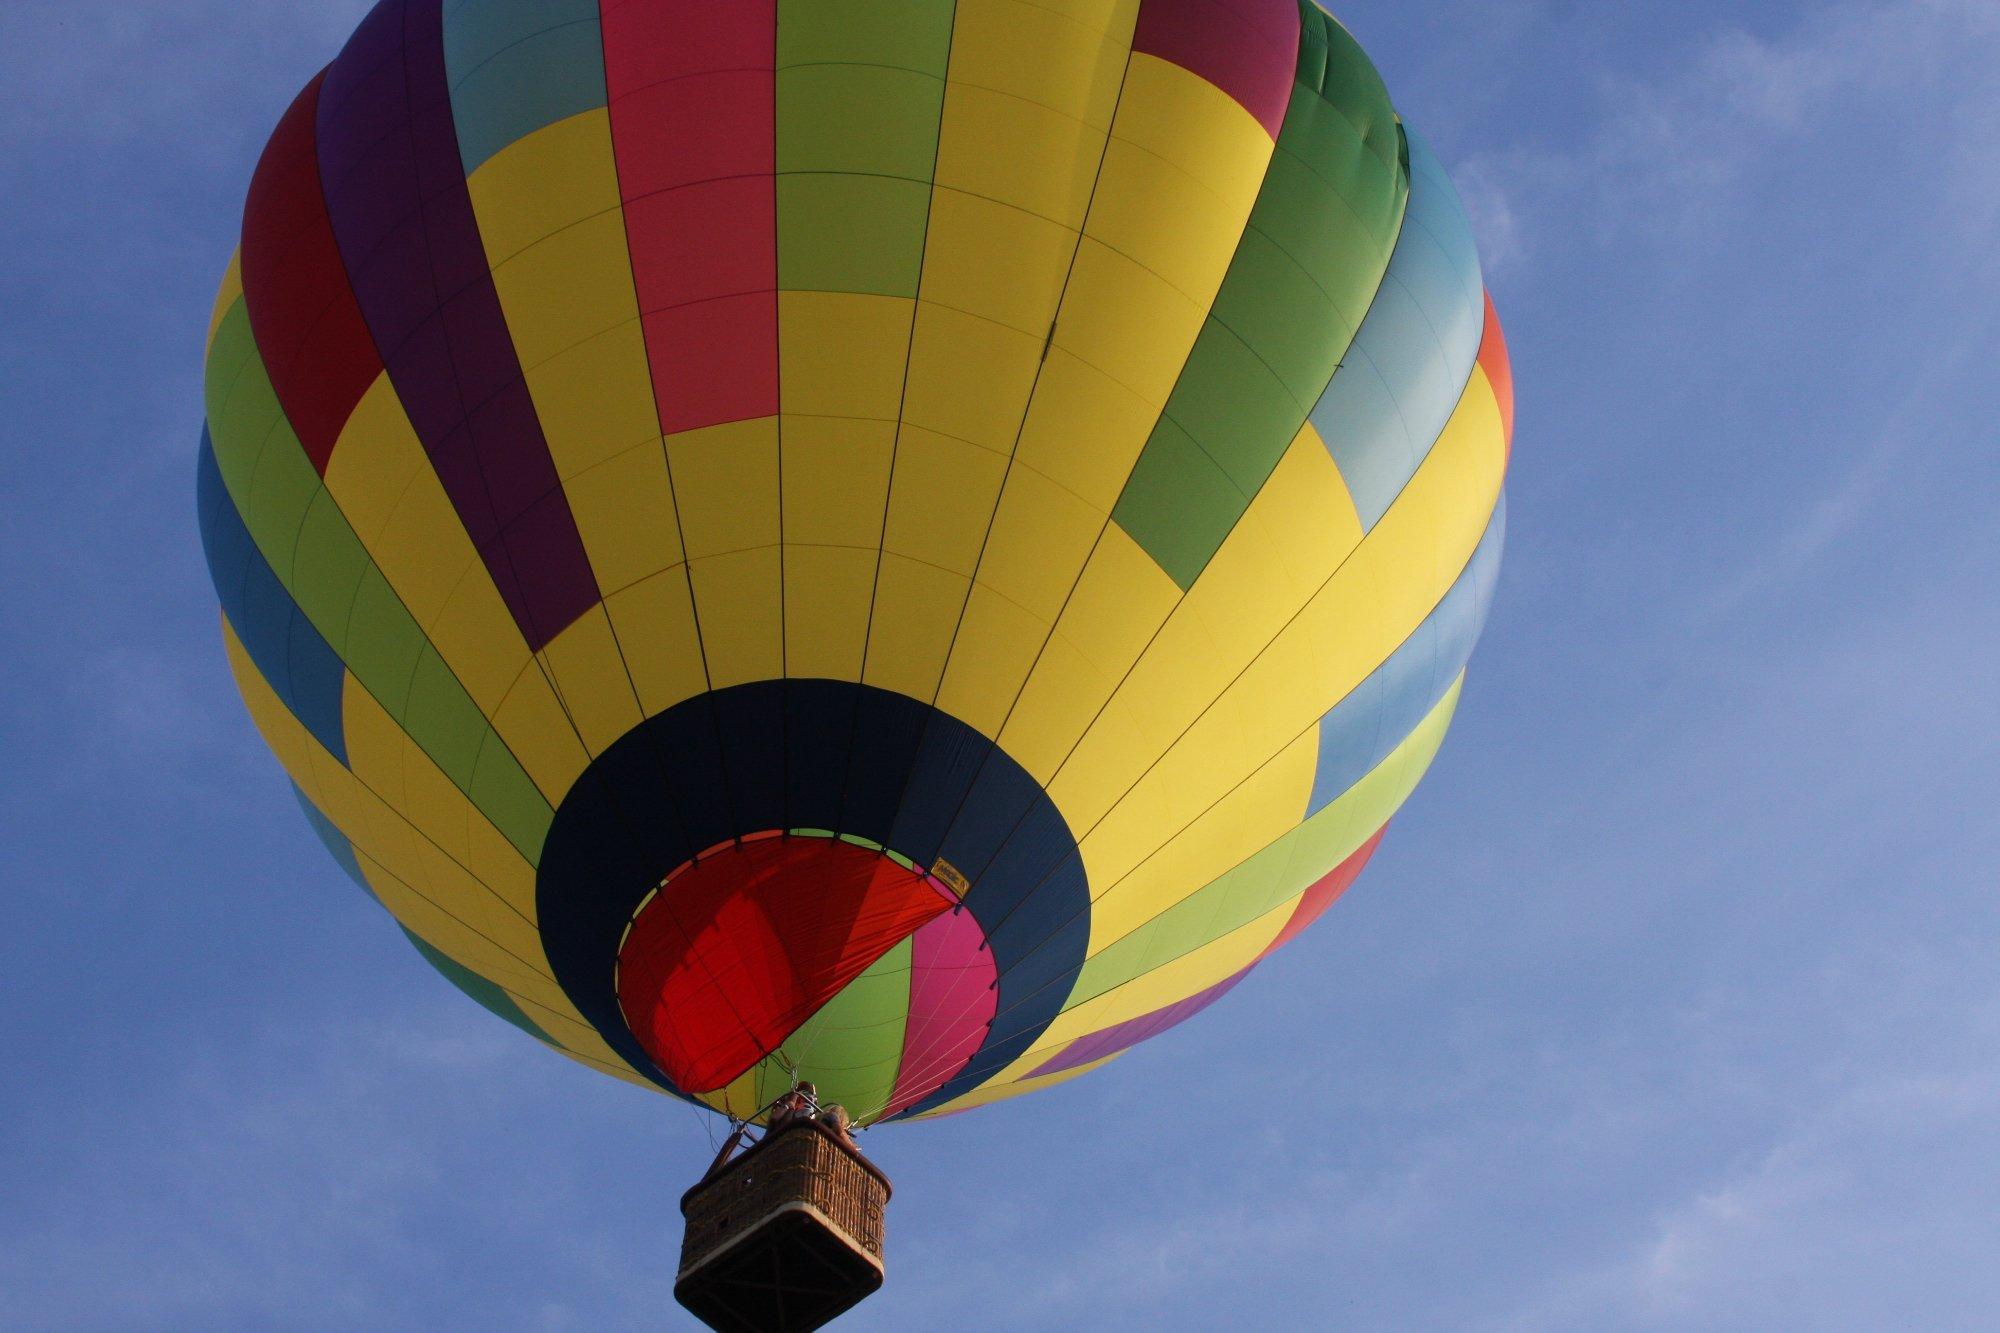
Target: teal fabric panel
pixel 515 66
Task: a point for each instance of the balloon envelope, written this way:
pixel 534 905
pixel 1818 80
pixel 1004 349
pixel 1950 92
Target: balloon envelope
pixel 907 543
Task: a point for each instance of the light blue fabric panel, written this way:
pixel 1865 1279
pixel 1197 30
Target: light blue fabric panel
pixel 1403 377
pixel 1363 728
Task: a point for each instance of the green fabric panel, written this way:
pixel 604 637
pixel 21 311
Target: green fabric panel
pixel 851 234
pixel 1281 871
pixel 442 713
pixel 1312 44
pixel 479 988
pixel 323 564
pixel 1229 400
pixel 820 107
pixel 1320 140
pixel 1276 306
pixel 1350 83
pixel 1306 269
pixel 281 491
pixel 1181 500
pixel 896 34
pixel 505 794
pixel 240 414
pixel 382 643
pixel 327 572
pixel 860 90
pixel 852 1049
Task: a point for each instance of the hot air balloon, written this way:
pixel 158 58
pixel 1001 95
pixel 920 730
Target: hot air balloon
pixel 895 543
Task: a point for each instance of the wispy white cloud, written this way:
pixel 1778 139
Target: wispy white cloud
pixel 1674 156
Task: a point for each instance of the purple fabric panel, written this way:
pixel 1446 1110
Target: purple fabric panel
pixel 1135 1030
pixel 396 192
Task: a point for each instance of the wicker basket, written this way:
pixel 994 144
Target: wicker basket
pixel 785 1237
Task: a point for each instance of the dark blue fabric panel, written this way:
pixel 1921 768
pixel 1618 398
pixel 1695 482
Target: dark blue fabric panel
pixel 291 655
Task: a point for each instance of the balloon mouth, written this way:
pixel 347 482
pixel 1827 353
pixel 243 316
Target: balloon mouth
pixel 739 947
pixel 811 826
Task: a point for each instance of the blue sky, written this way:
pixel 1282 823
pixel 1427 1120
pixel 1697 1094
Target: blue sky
pixel 1672 1000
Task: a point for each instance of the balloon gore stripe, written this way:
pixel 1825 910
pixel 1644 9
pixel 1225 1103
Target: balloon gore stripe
pixel 395 187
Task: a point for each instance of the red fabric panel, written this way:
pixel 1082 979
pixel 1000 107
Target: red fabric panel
pixel 741 948
pixel 693 124
pixel 1323 894
pixel 1499 369
pixel 1247 48
pixel 303 313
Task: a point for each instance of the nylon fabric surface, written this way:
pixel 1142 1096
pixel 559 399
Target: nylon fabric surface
pixel 909 543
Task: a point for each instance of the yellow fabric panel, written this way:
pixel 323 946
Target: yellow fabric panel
pixel 827 595
pixel 835 476
pixel 549 214
pixel 841 367
pixel 561 292
pixel 726 478
pixel 578 1041
pixel 384 485
pixel 370 824
pixel 230 293
pixel 1190 974
pixel 384 759
pixel 1085 428
pixel 624 509
pixel 945 490
pixel 996 645
pixel 1042 534
pixel 738 598
pixel 654 619
pixel 383 482
pixel 1182 222
pixel 1295 534
pixel 378 831
pixel 1129 326
pixel 916 607
pixel 284 734
pixel 970 375
pixel 415 906
pixel 1033 87
pixel 588 669
pixel 1306 515
pixel 995 261
pixel 738 1099
pixel 998 1090
pixel 841 354
pixel 836 480
pixel 549 180
pixel 1393 579
pixel 534 724
pixel 1249 818
pixel 1179 176
pixel 1027 106
pixel 1114 612
pixel 595 401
